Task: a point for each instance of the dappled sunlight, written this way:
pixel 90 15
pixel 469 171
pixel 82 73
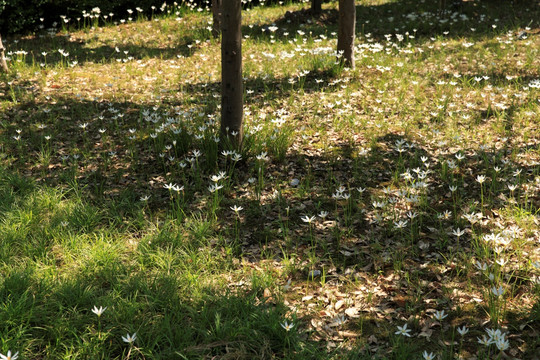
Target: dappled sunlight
pixel 390 211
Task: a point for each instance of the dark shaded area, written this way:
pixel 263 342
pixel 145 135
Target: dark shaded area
pixel 25 16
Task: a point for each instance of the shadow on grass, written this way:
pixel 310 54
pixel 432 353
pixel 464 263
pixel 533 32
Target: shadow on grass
pixel 39 312
pixel 427 18
pixel 170 319
pixel 238 324
pixel 45 49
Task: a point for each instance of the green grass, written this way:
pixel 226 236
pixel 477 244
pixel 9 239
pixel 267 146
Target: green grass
pixel 388 158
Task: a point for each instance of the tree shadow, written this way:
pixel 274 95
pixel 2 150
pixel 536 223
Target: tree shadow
pixel 368 246
pixel 495 78
pixel 45 49
pixel 423 20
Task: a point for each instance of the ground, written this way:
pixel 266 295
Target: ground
pixel 376 212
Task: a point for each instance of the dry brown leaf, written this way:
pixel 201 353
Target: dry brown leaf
pixel 353 312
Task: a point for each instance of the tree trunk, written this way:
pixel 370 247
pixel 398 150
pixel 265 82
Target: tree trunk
pixel 316 6
pixel 3 64
pixel 232 93
pixel 347 25
pixel 216 18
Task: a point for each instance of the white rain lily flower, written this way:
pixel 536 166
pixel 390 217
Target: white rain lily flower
pixel 287 326
pixel 9 356
pixel 236 208
pixel 481 266
pixel 485 340
pixel 129 338
pixel 402 330
pixel 323 214
pixel 497 291
pixel 502 344
pixel 308 219
pixel 439 315
pixel 463 330
pixel 215 187
pixel 99 311
pixel 458 232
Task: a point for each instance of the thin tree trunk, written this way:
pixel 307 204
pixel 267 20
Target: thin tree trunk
pixel 216 18
pixel 347 25
pixel 316 6
pixel 231 72
pixel 3 64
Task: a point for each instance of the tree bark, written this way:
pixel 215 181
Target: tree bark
pixel 232 92
pixel 3 64
pixel 216 18
pixel 316 6
pixel 346 32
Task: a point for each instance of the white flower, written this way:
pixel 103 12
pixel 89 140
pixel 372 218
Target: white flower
pixel 9 356
pixel 400 224
pixel 458 232
pixel 484 340
pixel 287 326
pixel 497 291
pixel 481 266
pixel 427 356
pixel 178 188
pixel 462 330
pixel 323 214
pixel 439 315
pixel 412 215
pixel 502 344
pixel 495 335
pixel 99 311
pixel 308 219
pixel 215 187
pixel 402 330
pixel 263 156
pixel 480 179
pixel 130 338
pixel 236 208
